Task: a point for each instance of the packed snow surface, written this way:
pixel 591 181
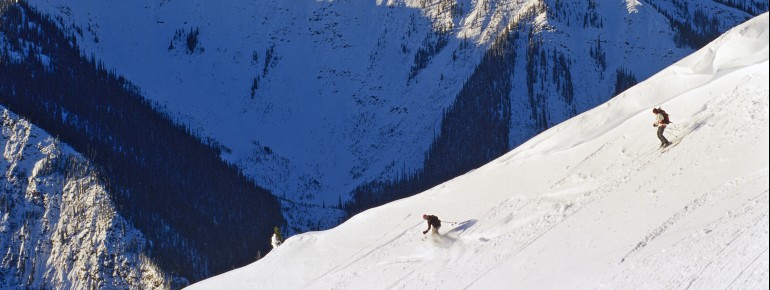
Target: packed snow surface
pixel 590 203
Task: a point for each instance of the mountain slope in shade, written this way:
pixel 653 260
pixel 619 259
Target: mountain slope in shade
pixel 315 99
pixel 590 203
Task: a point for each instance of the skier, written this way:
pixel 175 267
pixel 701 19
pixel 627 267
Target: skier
pixel 661 120
pixel 433 221
pixel 277 238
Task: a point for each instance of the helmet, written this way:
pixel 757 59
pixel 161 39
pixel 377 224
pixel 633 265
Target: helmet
pixel 424 216
pixel 655 110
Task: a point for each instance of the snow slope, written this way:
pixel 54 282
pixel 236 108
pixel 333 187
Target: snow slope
pixel 590 203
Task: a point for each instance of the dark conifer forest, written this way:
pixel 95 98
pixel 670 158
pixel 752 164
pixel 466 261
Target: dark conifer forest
pixel 202 216
pixel 474 130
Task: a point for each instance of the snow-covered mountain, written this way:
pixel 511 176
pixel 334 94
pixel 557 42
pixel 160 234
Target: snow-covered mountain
pixel 59 229
pixel 325 103
pixel 591 203
pixel 315 99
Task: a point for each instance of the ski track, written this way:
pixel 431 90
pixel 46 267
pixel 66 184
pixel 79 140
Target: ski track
pixel 542 226
pixel 357 256
pixel 754 263
pixel 696 267
pixel 690 208
pixel 570 207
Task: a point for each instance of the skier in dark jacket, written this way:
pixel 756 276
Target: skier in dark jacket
pixel 661 121
pixel 433 221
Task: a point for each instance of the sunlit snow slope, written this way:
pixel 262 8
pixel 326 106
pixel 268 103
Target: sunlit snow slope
pixel 590 203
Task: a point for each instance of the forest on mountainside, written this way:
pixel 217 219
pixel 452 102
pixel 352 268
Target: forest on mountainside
pixel 202 215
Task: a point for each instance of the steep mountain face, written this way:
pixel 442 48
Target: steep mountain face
pixel 165 181
pixel 59 229
pixel 317 100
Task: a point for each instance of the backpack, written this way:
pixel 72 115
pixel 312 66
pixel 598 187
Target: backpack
pixel 665 116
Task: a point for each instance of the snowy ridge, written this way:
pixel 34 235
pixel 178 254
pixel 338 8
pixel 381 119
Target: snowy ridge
pixel 590 203
pixel 58 227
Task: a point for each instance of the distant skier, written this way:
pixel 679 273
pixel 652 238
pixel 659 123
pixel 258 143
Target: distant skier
pixel 661 120
pixel 433 221
pixel 277 238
